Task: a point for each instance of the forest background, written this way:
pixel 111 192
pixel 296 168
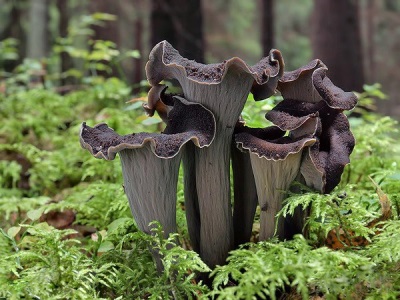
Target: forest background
pixel 361 37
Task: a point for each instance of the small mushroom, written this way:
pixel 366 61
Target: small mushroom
pixel 150 161
pixel 308 92
pixel 245 191
pixel 223 88
pixel 275 161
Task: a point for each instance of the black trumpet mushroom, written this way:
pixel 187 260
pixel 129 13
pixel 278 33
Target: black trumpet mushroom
pixel 310 140
pixel 150 161
pixel 223 89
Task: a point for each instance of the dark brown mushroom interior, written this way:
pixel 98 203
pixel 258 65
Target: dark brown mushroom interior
pixel 308 92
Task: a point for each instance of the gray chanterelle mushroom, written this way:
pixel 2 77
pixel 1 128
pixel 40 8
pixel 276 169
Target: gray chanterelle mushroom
pixel 150 161
pixel 222 88
pixel 206 113
pixel 275 160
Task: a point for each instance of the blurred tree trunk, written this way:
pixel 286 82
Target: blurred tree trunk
pixel 66 61
pixel 138 62
pixel 131 32
pixel 108 32
pixel 38 37
pixel 371 19
pixel 13 29
pixel 180 22
pixel 336 40
pixel 267 26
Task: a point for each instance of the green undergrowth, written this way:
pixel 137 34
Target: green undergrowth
pixel 46 178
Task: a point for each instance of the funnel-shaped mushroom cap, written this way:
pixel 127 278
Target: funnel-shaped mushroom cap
pixel 275 161
pixel 150 162
pixel 165 63
pixel 309 93
pixel 186 121
pixel 271 144
pixel 310 84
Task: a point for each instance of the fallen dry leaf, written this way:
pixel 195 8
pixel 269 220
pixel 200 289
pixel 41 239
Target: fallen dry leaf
pixel 339 238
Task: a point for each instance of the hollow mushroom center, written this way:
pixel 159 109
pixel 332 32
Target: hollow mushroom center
pixel 273 179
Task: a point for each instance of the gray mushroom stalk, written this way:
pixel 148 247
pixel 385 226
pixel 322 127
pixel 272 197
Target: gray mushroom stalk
pixel 223 89
pixel 245 196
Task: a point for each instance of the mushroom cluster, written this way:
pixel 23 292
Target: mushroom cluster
pixel 310 140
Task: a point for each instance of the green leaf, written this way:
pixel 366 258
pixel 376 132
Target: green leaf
pixel 105 246
pixel 151 121
pixel 104 16
pixel 35 214
pixel 42 228
pixel 13 231
pixel 118 222
pixel 134 106
pixel 133 54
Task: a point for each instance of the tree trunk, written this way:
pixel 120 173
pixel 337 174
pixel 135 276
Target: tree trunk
pixel 267 26
pixel 38 33
pixel 66 61
pixel 108 32
pixel 180 22
pixel 14 29
pixel 371 19
pixel 336 41
pixel 138 63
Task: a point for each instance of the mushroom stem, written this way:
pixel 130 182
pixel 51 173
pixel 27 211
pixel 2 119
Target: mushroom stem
pixel 191 200
pixel 155 203
pixel 273 179
pixel 159 201
pixel 213 190
pixel 226 101
pixel 245 196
